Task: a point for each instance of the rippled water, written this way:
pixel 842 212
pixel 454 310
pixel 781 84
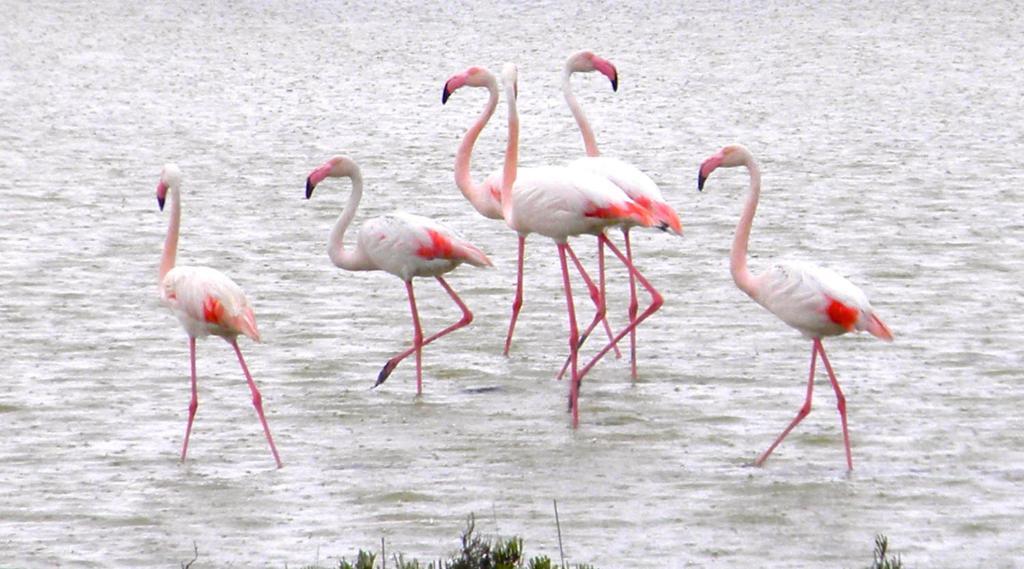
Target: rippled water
pixel 890 142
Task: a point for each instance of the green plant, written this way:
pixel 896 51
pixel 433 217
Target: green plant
pixel 539 562
pixel 364 560
pixel 475 552
pixel 881 561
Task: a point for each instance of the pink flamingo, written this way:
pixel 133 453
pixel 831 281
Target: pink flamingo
pixel 816 301
pixel 402 244
pixel 206 301
pixel 559 202
pixel 630 179
pixel 486 196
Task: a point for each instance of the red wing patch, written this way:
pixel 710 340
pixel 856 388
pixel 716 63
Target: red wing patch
pixel 439 247
pixel 628 210
pixel 841 314
pixel 212 310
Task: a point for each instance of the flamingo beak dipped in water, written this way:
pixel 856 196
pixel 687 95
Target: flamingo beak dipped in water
pixel 815 301
pixel 402 244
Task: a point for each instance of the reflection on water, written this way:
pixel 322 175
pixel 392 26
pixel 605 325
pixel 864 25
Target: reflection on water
pixel 889 142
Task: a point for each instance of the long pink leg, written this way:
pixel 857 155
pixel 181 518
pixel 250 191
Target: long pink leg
pixel 467 317
pixel 840 401
pixel 604 299
pixel 596 296
pixel 194 404
pixel 634 305
pixel 417 337
pixel 517 303
pixel 803 412
pixel 257 400
pixel 656 302
pixel 574 335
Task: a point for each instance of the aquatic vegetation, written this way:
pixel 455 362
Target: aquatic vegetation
pixel 881 561
pixel 475 552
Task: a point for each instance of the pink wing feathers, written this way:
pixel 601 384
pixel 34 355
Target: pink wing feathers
pixel 818 301
pixel 209 302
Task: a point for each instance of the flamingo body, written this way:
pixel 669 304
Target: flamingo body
pixel 408 245
pixel 561 202
pixel 636 184
pixel 815 301
pixel 402 244
pixel 631 180
pixel 486 196
pixel 206 301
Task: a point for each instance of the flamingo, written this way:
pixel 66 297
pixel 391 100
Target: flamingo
pixel 818 302
pixel 630 179
pixel 485 197
pixel 560 202
pixel 206 301
pixel 402 244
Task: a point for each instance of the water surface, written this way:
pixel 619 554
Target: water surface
pixel 890 142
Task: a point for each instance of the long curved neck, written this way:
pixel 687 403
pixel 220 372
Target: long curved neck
pixel 346 259
pixel 171 242
pixel 508 177
pixel 738 258
pixel 477 194
pixel 577 112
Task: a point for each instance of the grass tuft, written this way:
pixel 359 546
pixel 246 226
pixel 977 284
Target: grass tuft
pixel 881 550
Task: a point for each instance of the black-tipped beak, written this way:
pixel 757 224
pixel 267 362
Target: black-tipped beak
pixel 160 202
pixel 445 93
pixel 309 187
pixel 664 227
pixel 701 178
pixel 615 83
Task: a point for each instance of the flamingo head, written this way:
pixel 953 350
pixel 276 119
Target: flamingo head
pixel 170 177
pixel 587 61
pixel 337 167
pixel 729 156
pixel 510 78
pixel 475 76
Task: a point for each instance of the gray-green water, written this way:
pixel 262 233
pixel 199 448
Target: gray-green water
pixel 890 141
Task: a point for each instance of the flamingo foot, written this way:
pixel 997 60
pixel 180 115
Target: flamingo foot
pixel 385 372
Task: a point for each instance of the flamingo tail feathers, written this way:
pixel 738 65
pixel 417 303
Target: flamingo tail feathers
pixel 878 328
pixel 472 255
pixel 246 324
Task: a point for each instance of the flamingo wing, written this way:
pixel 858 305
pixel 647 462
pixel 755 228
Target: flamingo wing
pixel 208 302
pixel 558 201
pixel 635 184
pixel 410 245
pixel 817 301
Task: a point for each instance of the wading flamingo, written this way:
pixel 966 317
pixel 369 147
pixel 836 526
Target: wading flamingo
pixel 630 179
pixel 560 202
pixel 402 244
pixel 816 301
pixel 486 196
pixel 206 301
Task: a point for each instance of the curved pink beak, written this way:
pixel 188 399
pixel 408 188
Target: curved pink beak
pixel 707 167
pixel 316 177
pixel 161 194
pixel 608 70
pixel 453 84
